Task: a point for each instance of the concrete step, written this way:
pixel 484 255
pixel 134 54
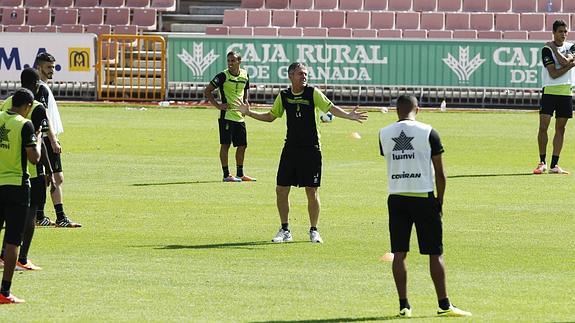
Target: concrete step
pixel 209 10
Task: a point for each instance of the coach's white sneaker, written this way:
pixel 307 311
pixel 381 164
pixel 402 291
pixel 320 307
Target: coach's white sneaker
pixel 282 236
pixel 315 237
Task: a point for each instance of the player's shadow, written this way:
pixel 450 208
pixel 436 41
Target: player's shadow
pixel 176 183
pixel 344 319
pixel 230 245
pixel 488 175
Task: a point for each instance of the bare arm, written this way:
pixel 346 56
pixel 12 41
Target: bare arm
pixel 244 108
pixel 353 115
pixel 440 180
pixel 561 59
pixel 33 153
pixel 555 73
pixel 208 94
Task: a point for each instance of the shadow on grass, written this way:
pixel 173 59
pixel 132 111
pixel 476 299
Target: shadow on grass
pixel 175 183
pixel 346 319
pixel 488 175
pixel 231 245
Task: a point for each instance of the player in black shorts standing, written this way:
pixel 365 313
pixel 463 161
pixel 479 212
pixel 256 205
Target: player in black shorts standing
pixel 557 76
pixel 301 160
pixel 412 152
pixel 18 144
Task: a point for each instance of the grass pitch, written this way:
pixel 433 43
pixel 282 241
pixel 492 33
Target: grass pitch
pixel 165 240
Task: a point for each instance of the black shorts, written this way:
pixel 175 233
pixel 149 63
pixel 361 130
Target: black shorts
pixel 300 166
pixel 233 132
pixel 38 190
pixel 54 158
pixel 404 211
pixel 14 203
pixel 562 105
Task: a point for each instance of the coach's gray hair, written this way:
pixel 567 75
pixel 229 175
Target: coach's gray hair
pixel 295 66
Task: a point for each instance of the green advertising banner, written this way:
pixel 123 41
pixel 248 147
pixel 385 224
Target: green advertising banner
pixel 370 62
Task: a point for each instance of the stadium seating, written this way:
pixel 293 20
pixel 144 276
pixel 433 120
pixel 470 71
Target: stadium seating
pixel 64 16
pixel 283 18
pixel 39 17
pixel 86 3
pixel 111 3
pixel 36 3
pixel 301 4
pixel 72 28
pixel 91 16
pixel 117 16
pixel 13 16
pixel 259 18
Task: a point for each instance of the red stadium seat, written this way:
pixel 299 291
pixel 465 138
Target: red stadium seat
pixel 72 28
pixel 266 31
pixel 482 21
pixel 498 5
pixel 457 20
pixel 255 4
pixel 86 3
pixel 259 18
pixel 532 21
pixel 389 33
pixel 17 29
pixel 277 4
pixel 283 18
pixel 448 5
pixel 465 34
pixel 407 20
pixel 164 5
pixel 551 17
pixel 540 35
pixel 125 30
pixel 555 6
pixel 489 34
pixel 301 4
pixel 424 5
pixel 117 16
pixel 333 19
pixel 36 3
pixel 324 5
pixel 241 31
pixel 524 5
pixel 217 30
pixel 398 5
pixel 432 20
pixel 358 19
pixel 291 32
pixel 137 3
pixel 350 4
pixel 474 5
pixel 414 33
pixel 364 33
pixel 374 4
pixel 235 18
pixel 506 21
pixel 314 32
pixel 440 34
pixel 13 16
pixel 99 29
pixel 568 5
pixel 65 16
pixel 44 29
pixel 382 20
pixel 308 18
pixel 39 17
pixel 61 3
pixel 517 34
pixel 111 3
pixel 339 32
pixel 91 16
pixel 11 3
pixel 144 18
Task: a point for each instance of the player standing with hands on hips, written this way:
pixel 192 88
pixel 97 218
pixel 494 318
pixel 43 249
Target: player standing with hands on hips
pixel 412 151
pixel 301 159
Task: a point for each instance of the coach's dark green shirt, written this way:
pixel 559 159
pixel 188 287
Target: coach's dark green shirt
pixel 301 114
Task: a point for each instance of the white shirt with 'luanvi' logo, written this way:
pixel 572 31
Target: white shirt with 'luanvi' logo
pixel 405 145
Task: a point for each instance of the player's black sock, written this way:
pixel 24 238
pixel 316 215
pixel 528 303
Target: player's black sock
pixel 5 288
pixel 40 212
pixel 403 303
pixel 444 304
pixel 226 171
pixel 59 208
pixel 542 158
pixel 554 161
pixel 285 226
pixel 240 172
pixel 312 228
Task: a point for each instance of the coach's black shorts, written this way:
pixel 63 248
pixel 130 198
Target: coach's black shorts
pixel 233 132
pixel 300 166
pixel 562 105
pixel 404 211
pixel 54 158
pixel 14 203
pixel 38 190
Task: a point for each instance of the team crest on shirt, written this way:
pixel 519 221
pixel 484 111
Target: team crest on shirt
pixel 402 142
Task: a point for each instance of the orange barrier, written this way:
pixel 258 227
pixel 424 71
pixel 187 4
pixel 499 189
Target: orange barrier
pixel 131 67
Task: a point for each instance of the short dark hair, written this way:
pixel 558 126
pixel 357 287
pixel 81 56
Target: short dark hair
pixel 21 97
pixel 558 23
pixel 234 53
pixel 45 57
pixel 406 103
pixel 29 78
pixel 295 66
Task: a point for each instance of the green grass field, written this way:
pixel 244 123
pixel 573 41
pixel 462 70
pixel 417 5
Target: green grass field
pixel 165 240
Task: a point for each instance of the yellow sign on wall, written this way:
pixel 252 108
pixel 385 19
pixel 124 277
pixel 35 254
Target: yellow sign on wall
pixel 79 59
